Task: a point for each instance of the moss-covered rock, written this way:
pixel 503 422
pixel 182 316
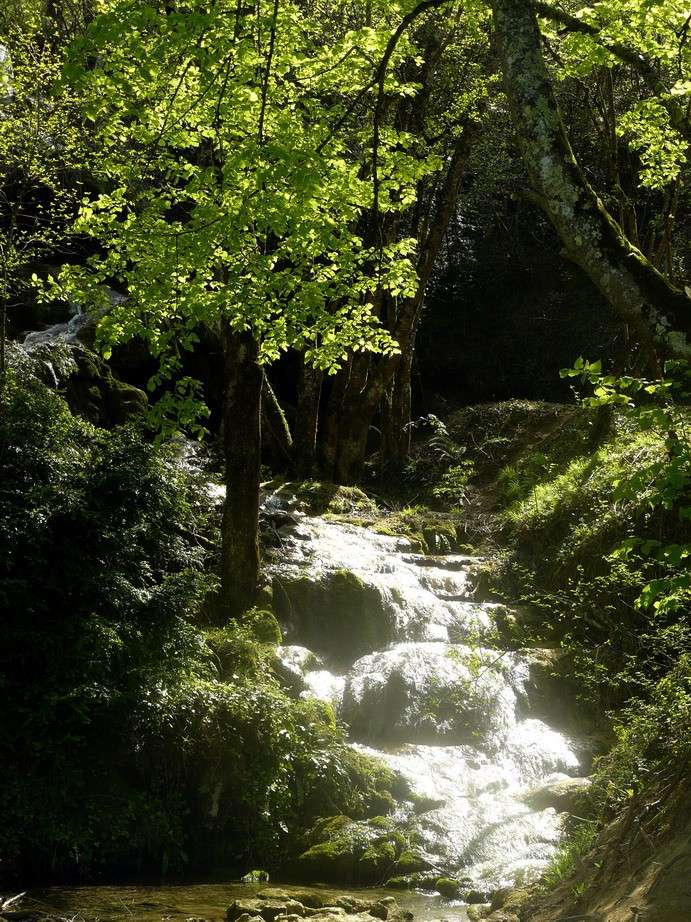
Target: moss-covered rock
pixel 324 498
pixel 449 887
pixel 255 877
pixel 263 625
pixel 322 907
pixel 567 796
pixel 343 851
pixel 337 615
pixel 410 862
pixel 420 880
pixel 377 861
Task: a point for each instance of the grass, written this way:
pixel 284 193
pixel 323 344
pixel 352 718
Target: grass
pixel 570 854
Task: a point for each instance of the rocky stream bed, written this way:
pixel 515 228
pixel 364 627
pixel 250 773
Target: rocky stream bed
pixel 403 647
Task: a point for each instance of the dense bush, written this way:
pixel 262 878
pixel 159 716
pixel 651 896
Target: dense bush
pixel 132 739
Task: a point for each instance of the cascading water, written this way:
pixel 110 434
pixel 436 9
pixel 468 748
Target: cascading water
pixel 430 697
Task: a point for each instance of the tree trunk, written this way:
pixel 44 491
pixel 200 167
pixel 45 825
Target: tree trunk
pixel 307 420
pixel 359 389
pixel 639 294
pixel 3 337
pixel 242 398
pixel 3 323
pixel 398 449
pixel 332 421
pixel 353 418
pixel 275 429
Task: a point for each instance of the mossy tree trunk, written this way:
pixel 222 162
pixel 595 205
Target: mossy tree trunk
pixel 242 401
pixel 396 424
pixel 367 381
pixel 276 434
pixel 659 314
pixel 307 420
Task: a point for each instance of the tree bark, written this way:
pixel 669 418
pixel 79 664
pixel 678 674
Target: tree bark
pixel 307 420
pixel 3 336
pixel 328 444
pixel 242 398
pixel 639 294
pixel 353 419
pixel 275 428
pixel 397 451
pixel 369 379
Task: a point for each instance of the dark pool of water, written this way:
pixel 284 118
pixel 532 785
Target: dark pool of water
pixel 208 901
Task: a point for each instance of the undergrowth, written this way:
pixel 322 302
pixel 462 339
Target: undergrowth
pixel 135 739
pixel 592 505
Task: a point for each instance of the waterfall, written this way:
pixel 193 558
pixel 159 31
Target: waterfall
pixel 430 692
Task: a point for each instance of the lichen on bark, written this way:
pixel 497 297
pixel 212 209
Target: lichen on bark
pixel 659 314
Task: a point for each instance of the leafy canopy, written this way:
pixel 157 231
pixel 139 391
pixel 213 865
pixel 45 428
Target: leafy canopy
pixel 233 159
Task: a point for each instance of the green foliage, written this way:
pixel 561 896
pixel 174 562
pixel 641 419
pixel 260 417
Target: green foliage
pixel 650 36
pixel 263 625
pixel 39 146
pixel 599 527
pixel 132 739
pixel 453 483
pixel 663 152
pixel 662 480
pixel 652 737
pixel 567 860
pixel 232 176
pixel 99 616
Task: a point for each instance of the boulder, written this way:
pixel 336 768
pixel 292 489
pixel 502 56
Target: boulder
pixel 427 692
pixel 449 887
pixel 279 906
pixel 336 615
pixel 91 389
pixel 268 910
pixel 344 851
pixel 568 795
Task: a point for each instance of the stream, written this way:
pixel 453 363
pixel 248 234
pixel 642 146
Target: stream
pixel 205 902
pixel 433 700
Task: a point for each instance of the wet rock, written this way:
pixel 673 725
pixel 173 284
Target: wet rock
pixel 344 851
pixel 310 899
pixel 507 904
pixel 550 693
pixel 337 614
pixel 565 796
pixel 410 862
pixel 377 861
pixel 293 662
pixel 427 692
pixel 279 906
pixel 449 887
pixel 457 563
pixel 418 881
pixel 268 910
pixel 476 897
pixel 91 389
pixel 266 629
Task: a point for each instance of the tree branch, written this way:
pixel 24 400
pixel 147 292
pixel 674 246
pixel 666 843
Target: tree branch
pixel 636 59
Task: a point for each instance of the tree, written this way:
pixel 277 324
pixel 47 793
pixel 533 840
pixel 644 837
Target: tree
pixel 38 146
pixel 659 314
pixel 443 118
pixel 229 154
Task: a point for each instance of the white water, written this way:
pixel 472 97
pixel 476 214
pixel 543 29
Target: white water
pixel 446 715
